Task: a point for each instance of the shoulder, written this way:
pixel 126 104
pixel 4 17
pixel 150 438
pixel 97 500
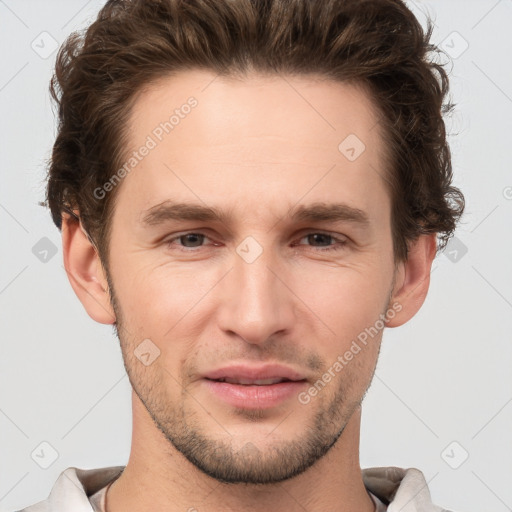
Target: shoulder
pixel 73 488
pixel 401 489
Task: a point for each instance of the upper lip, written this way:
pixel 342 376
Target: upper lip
pixel 247 372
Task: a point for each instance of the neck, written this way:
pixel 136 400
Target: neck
pixel 159 477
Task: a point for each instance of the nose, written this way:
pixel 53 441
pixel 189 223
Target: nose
pixel 256 304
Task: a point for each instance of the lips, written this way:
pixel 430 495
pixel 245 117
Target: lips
pixel 262 387
pixel 246 375
pixel 251 382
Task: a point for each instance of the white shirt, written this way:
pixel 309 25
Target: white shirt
pixel 83 490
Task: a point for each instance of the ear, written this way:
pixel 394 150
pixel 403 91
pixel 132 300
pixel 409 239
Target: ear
pixel 412 279
pixel 85 271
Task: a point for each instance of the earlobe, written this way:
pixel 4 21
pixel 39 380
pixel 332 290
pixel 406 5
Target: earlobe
pixel 85 271
pixel 412 280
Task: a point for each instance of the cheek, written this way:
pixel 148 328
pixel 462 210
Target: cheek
pixel 346 299
pixel 347 307
pixel 167 302
pixel 171 299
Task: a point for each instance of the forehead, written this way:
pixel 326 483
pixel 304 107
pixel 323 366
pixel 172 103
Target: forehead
pixel 259 142
pixel 298 108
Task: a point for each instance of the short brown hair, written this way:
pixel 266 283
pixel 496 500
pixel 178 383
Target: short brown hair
pixel 377 44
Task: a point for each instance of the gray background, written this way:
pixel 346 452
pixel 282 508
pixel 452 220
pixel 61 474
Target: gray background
pixel 442 390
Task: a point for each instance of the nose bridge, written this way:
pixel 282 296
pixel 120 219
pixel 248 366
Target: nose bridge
pixel 255 303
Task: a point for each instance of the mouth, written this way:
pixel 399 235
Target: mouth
pixel 249 387
pixel 261 375
pixel 253 382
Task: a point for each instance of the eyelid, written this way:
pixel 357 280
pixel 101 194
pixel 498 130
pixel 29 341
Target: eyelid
pixel 312 231
pixel 339 239
pixel 176 236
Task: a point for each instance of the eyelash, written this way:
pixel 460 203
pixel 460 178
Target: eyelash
pixel 336 247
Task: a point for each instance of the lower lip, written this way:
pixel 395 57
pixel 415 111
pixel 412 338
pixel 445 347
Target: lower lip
pixel 255 397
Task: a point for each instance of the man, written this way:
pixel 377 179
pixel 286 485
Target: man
pixel 299 148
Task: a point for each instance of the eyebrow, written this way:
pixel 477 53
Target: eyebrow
pixel 315 212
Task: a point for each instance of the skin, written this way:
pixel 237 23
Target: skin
pixel 257 147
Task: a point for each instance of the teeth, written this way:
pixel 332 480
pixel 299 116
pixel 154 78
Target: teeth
pixel 249 382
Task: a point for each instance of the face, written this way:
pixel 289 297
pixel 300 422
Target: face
pixel 251 298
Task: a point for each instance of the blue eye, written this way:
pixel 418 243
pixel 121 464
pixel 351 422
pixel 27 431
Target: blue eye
pixel 195 238
pixel 196 241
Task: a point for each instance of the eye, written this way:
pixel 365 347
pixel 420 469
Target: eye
pixel 194 239
pixel 191 241
pixel 324 239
